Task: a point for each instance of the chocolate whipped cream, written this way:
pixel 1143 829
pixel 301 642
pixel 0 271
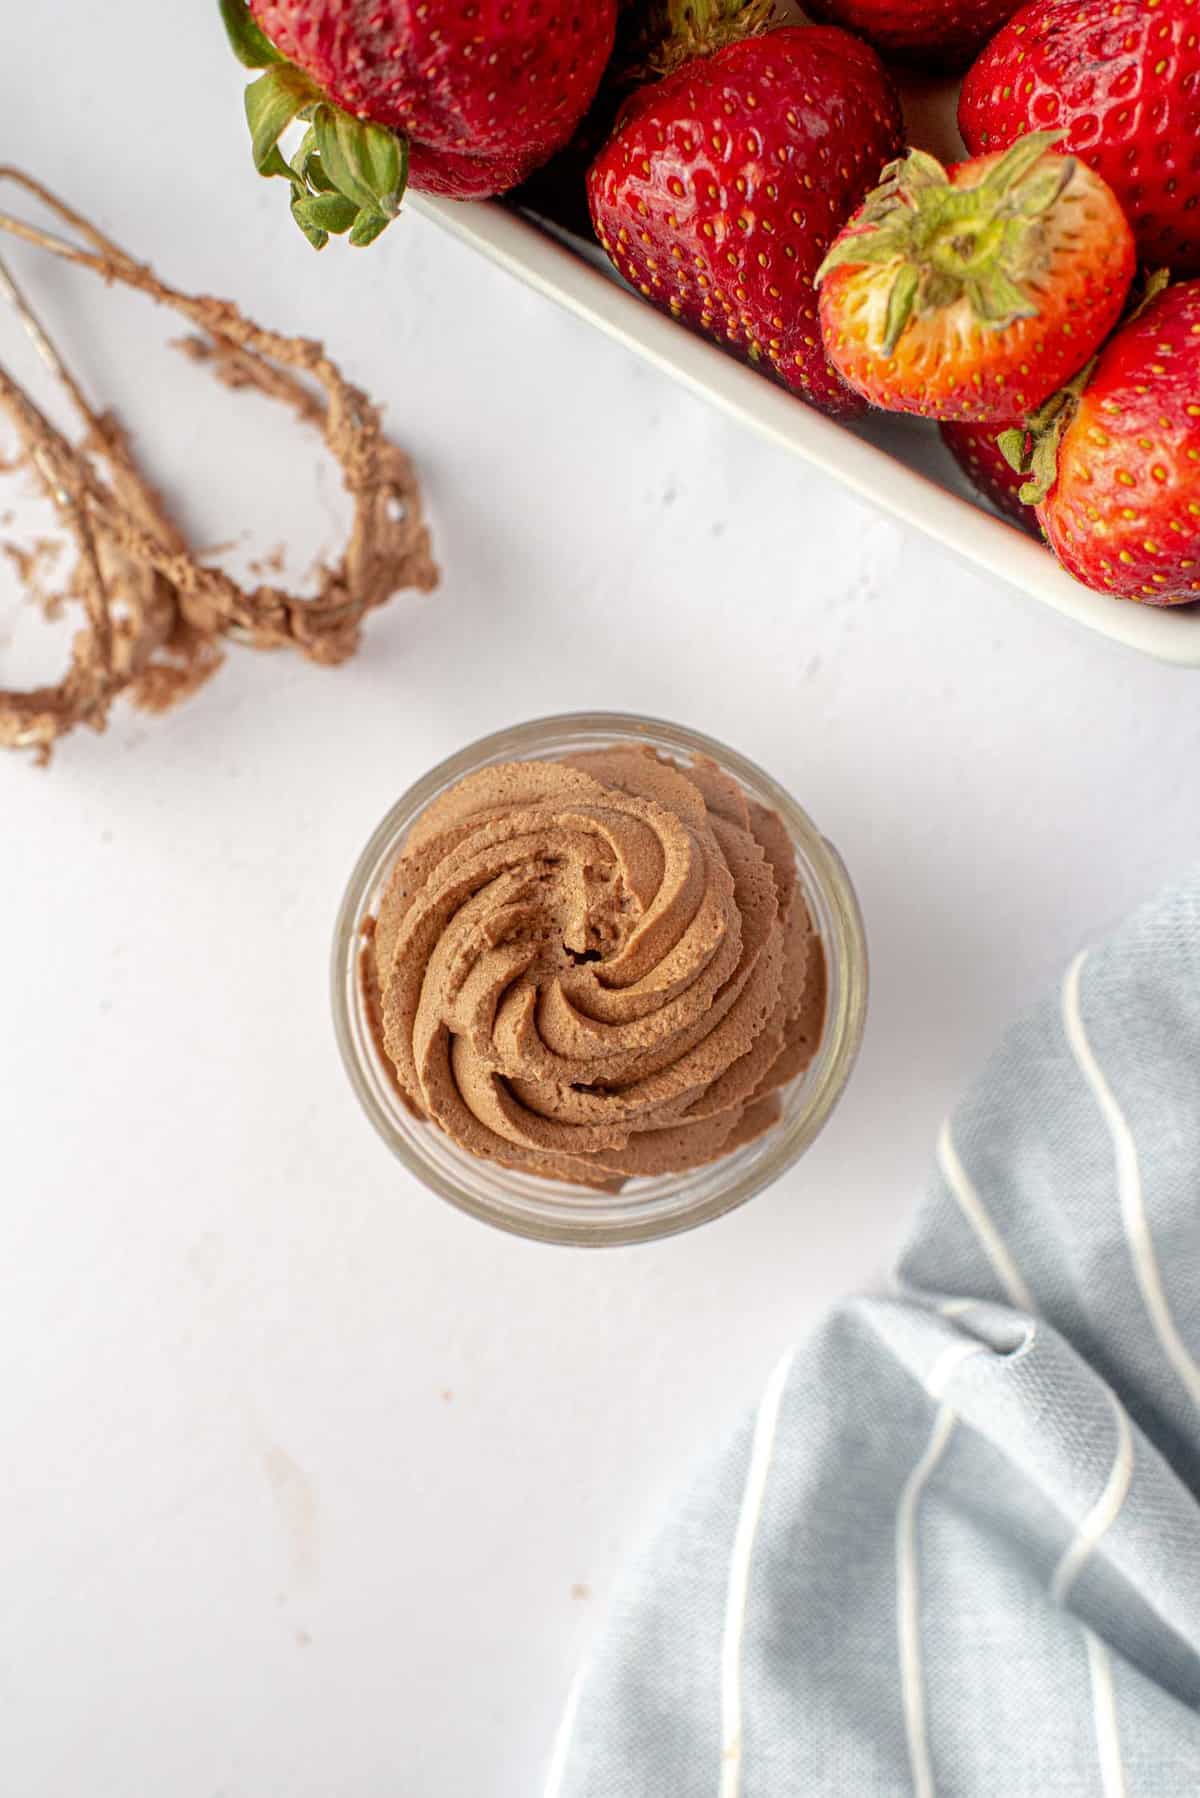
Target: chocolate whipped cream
pixel 596 968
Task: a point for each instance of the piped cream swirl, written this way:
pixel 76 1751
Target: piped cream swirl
pixel 596 968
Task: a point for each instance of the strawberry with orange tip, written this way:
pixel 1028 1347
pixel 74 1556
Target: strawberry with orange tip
pixel 974 292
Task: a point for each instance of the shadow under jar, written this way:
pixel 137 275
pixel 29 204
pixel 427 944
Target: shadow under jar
pixel 558 950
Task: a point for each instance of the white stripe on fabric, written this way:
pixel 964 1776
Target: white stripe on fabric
pixel 762 1448
pixel 908 1606
pixel 1103 1513
pixel 958 1307
pixel 1104 1715
pixel 948 1363
pixel 1129 1187
pixel 562 1741
pixel 976 1214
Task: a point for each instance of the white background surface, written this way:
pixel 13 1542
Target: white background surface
pixel 308 1484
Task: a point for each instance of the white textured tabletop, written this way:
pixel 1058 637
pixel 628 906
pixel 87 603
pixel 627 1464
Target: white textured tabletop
pixel 311 1485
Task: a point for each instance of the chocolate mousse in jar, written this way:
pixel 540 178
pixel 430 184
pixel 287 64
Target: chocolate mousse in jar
pixel 598 978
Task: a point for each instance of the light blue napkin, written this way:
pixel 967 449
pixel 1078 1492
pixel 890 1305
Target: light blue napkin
pixel 956 1549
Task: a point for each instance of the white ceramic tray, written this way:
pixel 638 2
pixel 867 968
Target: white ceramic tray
pixel 898 463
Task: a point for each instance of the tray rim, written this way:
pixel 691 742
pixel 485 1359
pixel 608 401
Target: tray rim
pixel 545 263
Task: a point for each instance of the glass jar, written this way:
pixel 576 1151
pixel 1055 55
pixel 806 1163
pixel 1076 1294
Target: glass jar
pixel 554 1210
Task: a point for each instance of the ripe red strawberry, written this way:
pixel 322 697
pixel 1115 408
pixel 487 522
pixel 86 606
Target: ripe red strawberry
pixel 1116 468
pixel 1121 80
pixel 463 99
pixel 934 34
pixel 976 450
pixel 974 292
pixel 724 183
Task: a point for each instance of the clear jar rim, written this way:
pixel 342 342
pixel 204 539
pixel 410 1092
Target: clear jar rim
pixel 550 1210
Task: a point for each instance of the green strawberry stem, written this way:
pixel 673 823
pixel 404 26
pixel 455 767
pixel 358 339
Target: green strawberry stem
pixel 674 31
pixel 939 243
pixel 1032 448
pixel 348 175
pixel 249 43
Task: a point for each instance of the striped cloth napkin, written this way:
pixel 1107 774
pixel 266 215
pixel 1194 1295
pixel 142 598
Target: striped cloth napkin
pixel 956 1549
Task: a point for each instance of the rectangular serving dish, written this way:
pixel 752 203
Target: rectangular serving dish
pixel 898 464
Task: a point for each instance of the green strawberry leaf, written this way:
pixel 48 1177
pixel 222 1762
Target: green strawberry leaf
pixel 1154 282
pixel 364 161
pixel 1043 464
pixel 307 167
pixel 997 300
pixel 367 227
pixel 316 237
pixel 1041 435
pixel 272 102
pixel 276 163
pixel 920 170
pixel 879 246
pixel 1032 449
pixel 1042 189
pixel 347 175
pixel 1014 446
pixel 332 213
pixel 249 43
pixel 1017 162
pixel 901 301
pixel 318 180
pixel 384 162
pixel 302 161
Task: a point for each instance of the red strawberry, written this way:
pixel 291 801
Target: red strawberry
pixel 974 292
pixel 976 450
pixel 724 183
pixel 462 99
pixel 1121 80
pixel 1116 467
pixel 935 34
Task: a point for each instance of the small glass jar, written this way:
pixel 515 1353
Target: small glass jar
pixel 554 1210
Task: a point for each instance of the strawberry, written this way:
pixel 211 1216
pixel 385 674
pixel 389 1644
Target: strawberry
pixel 724 183
pixel 558 190
pixel 464 100
pixel 1114 460
pixel 972 293
pixel 1121 80
pixel 977 451
pixel 934 34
